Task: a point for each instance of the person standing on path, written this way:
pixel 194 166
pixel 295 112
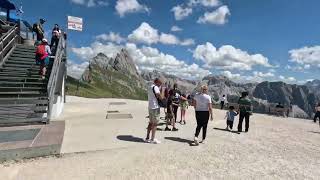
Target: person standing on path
pixel 230 115
pixel 222 101
pixel 183 108
pixel 203 107
pixel 317 115
pixel 177 95
pixel 154 96
pixel 245 107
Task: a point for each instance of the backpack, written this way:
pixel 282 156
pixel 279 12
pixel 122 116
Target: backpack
pixel 162 102
pixel 41 51
pixel 35 27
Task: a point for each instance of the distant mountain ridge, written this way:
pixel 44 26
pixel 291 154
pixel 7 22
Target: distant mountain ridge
pixel 119 77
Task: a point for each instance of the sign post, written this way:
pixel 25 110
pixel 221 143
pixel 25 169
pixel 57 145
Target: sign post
pixel 75 23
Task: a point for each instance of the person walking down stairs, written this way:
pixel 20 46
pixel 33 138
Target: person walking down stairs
pixel 42 57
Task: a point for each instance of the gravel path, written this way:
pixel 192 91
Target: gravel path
pixel 275 148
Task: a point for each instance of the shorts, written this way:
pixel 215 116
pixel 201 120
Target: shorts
pixel 154 115
pixel 44 62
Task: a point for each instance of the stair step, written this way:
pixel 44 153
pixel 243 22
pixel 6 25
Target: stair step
pixel 24 47
pixel 12 73
pixel 20 75
pixel 22 88
pixel 20 62
pixel 25 50
pixel 21 65
pixel 21 92
pixel 21 59
pixel 29 53
pixel 20 78
pixel 19 121
pixel 30 100
pixel 26 56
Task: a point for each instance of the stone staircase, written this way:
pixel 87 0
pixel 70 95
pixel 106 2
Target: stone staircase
pixel 23 94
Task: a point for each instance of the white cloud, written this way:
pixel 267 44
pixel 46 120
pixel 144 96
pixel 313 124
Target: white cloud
pixel 146 34
pixel 187 42
pixel 206 3
pixel 287 79
pixel 90 3
pixel 86 53
pixel 181 12
pixel 231 76
pixel 218 16
pixel 176 29
pixel 113 37
pixel 168 39
pixel 76 70
pixel 146 58
pixel 124 7
pixel 263 75
pixel 298 68
pixel 309 56
pixel 228 57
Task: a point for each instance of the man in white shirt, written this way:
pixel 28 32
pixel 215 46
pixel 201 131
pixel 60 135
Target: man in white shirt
pixel 154 95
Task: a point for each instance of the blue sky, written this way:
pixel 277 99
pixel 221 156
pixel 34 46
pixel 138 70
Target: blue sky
pixel 246 40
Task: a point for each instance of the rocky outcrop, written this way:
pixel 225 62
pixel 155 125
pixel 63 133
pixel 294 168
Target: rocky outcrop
pixel 118 75
pixel 186 86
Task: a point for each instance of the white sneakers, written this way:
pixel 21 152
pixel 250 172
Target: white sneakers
pixel 196 141
pixel 155 141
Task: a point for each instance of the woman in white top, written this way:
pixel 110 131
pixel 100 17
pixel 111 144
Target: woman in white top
pixel 203 108
pixel 317 115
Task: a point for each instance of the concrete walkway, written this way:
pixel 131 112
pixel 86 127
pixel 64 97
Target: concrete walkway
pixel 98 148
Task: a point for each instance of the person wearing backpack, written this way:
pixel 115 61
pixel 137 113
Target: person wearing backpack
pixel 38 29
pixel 42 57
pixel 154 97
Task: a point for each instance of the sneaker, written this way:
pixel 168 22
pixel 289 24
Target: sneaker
pixel 180 122
pixel 147 140
pixel 155 141
pixel 203 142
pixel 167 129
pixel 184 123
pixel 196 141
pixel 175 129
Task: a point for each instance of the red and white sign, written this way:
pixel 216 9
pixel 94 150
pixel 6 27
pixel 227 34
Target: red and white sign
pixel 75 23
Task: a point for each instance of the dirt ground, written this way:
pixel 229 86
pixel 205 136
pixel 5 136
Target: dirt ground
pixel 95 148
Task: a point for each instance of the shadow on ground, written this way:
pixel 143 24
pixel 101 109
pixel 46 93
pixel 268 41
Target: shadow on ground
pixel 314 132
pixel 130 138
pixel 220 129
pixel 177 139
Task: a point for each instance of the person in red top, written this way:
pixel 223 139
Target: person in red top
pixel 42 57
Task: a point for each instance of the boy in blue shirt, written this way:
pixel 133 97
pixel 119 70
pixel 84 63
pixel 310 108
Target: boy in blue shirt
pixel 230 118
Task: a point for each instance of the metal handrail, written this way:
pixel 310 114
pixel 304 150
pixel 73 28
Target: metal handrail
pixel 55 71
pixel 7 43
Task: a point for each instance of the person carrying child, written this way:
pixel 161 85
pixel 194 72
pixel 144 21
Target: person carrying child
pixel 170 118
pixel 183 107
pixel 230 117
